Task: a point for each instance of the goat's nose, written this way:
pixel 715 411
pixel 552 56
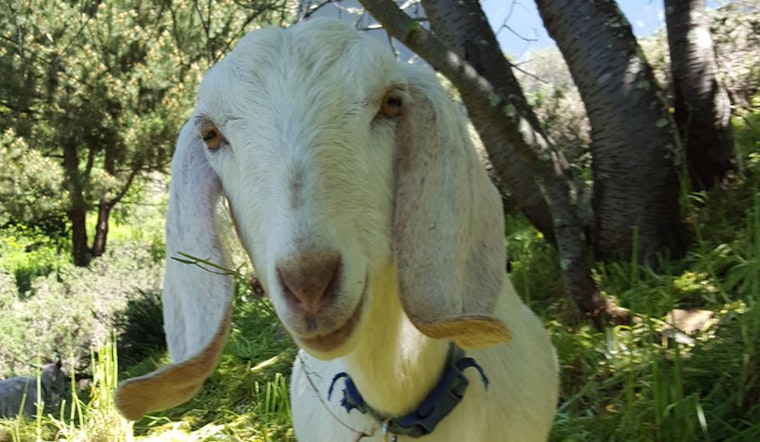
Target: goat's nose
pixel 310 278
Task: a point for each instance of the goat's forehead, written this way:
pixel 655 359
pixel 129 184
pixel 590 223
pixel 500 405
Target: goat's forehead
pixel 331 61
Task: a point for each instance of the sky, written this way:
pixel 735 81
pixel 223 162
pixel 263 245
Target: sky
pixel 526 31
pixel 645 16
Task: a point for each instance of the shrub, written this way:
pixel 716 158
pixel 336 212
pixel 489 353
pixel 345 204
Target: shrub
pixel 140 328
pixel 72 309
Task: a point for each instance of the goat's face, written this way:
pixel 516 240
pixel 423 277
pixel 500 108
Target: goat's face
pixel 304 147
pixel 53 379
pixel 345 174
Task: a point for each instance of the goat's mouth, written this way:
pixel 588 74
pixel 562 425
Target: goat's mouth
pixel 329 342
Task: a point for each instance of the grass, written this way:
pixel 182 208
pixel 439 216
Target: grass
pixel 245 400
pixel 638 383
pixel 628 383
pixel 641 382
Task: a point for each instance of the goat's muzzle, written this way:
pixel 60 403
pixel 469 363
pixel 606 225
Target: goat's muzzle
pixel 311 283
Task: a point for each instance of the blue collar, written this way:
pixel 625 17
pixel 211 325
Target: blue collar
pixel 441 400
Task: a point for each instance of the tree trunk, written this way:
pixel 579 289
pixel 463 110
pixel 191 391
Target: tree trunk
pixel 101 228
pixel 634 146
pixel 77 212
pixel 459 25
pixel 524 159
pixel 104 206
pixel 702 107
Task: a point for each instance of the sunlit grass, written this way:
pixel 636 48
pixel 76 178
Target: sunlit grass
pixel 627 383
pixel 644 383
pixel 639 382
pixel 245 400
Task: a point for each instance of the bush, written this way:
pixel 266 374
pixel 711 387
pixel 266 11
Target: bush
pixel 30 184
pixel 140 328
pixel 72 309
pixel 28 253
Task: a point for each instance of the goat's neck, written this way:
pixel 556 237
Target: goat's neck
pixel 394 366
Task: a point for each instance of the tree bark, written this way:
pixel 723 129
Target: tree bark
pixel 104 206
pixel 104 211
pixel 702 107
pixel 77 212
pixel 634 146
pixel 101 228
pixel 459 25
pixel 463 48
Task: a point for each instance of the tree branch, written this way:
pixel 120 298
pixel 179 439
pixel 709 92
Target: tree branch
pixel 464 49
pixel 125 188
pixel 311 9
pixel 409 32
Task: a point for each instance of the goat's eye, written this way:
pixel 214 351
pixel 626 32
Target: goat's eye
pixel 211 136
pixel 392 104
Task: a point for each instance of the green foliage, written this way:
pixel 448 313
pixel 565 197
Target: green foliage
pixel 141 326
pixel 92 96
pixel 30 183
pixel 64 308
pixel 653 382
pixel 27 253
pixel 747 124
pixel 533 263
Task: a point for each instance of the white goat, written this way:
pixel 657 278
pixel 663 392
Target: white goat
pixel 19 395
pixel 354 188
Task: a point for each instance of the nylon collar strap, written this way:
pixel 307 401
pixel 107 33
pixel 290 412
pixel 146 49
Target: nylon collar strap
pixel 441 400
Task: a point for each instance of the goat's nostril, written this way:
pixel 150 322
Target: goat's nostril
pixel 310 278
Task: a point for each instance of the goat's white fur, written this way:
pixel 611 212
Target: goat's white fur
pixel 312 168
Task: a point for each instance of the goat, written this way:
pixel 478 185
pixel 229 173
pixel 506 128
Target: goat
pixel 19 394
pixel 355 190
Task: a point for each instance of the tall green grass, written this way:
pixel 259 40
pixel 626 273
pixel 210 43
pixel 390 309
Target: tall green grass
pixel 245 400
pixel 628 383
pixel 639 382
pixel 89 419
pixel 95 419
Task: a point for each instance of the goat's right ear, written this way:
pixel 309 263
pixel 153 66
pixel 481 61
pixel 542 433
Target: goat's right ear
pixel 448 223
pixel 196 300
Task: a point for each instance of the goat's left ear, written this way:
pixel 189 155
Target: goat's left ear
pixel 197 300
pixel 448 223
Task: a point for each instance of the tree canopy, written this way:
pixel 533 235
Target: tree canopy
pixel 94 93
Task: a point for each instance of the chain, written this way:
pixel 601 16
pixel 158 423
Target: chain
pixel 360 434
pixel 388 436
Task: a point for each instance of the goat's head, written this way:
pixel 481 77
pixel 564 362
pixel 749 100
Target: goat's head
pixel 52 378
pixel 337 163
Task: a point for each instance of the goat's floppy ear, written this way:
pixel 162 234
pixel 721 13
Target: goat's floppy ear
pixel 448 223
pixel 196 301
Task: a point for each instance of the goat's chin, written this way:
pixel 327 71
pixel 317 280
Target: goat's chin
pixel 338 341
